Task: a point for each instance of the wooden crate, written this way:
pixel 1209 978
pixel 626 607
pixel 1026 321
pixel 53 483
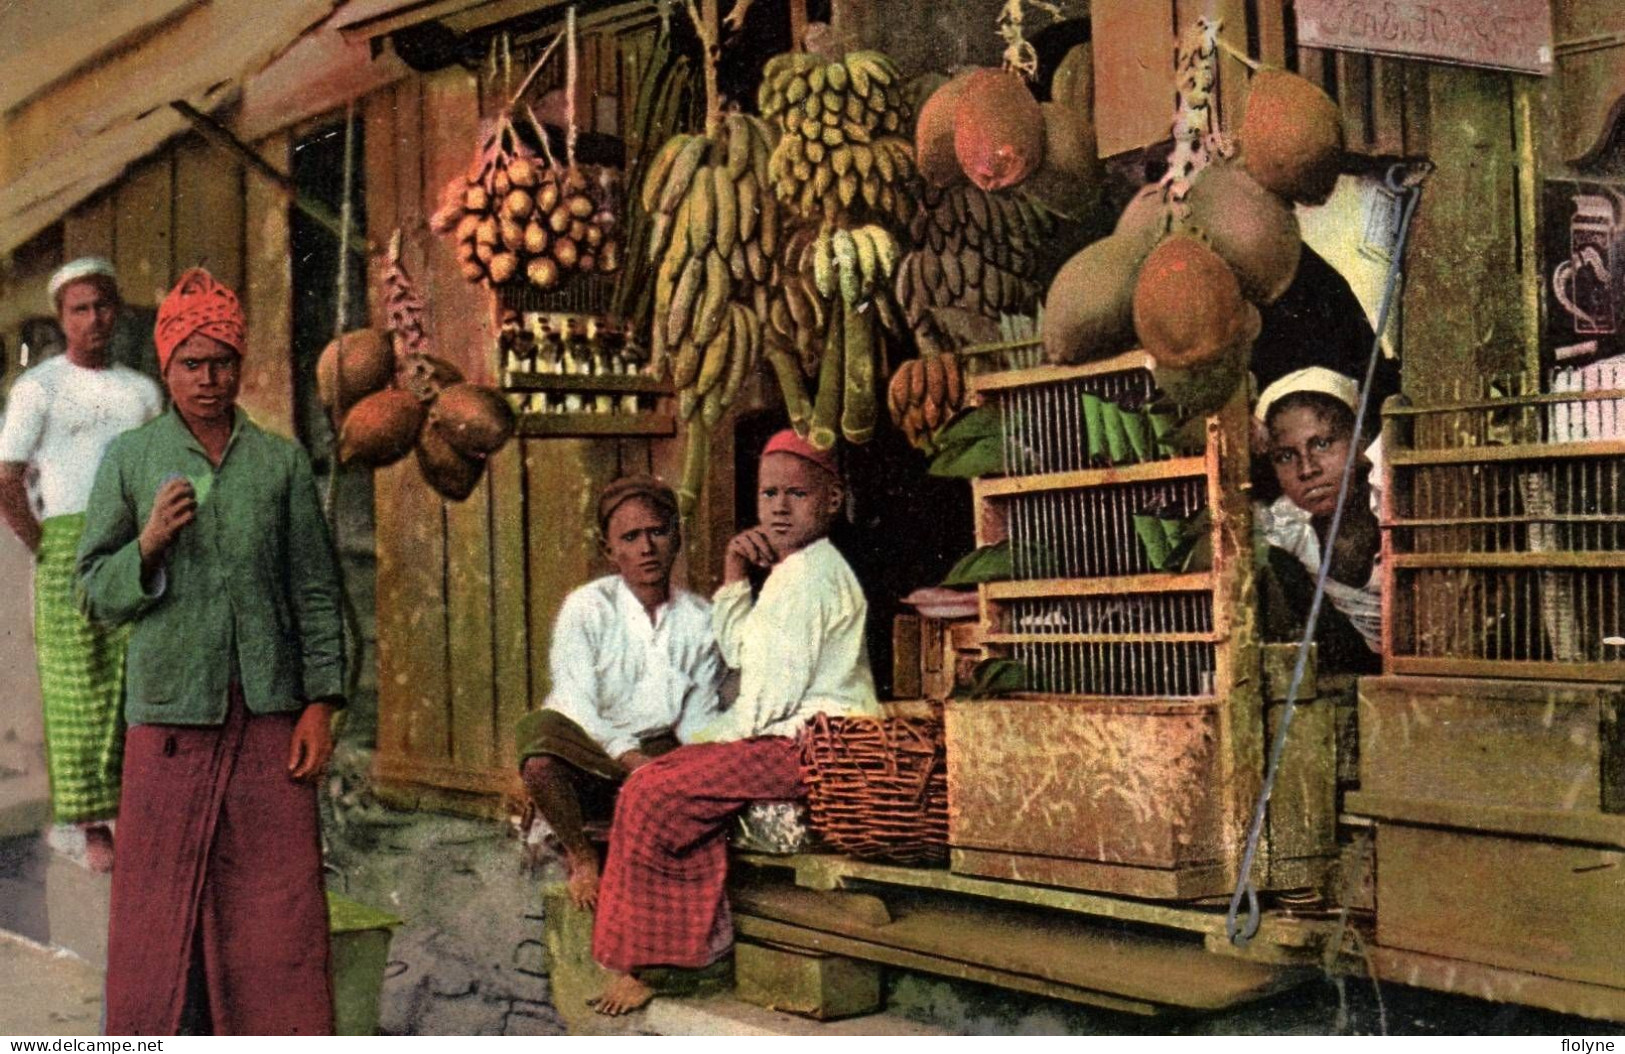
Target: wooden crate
pixel 1543 907
pixel 1510 743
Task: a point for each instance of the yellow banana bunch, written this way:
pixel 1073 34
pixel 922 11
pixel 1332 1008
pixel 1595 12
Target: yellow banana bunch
pixel 843 149
pixel 852 262
pixel 924 394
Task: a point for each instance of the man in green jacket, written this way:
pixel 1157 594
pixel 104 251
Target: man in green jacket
pixel 205 534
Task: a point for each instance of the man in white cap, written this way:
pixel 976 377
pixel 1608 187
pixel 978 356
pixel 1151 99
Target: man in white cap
pixel 59 419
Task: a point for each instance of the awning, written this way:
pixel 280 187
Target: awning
pixel 109 106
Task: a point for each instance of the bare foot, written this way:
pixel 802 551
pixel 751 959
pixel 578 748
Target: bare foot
pixel 99 848
pixel 583 880
pixel 624 995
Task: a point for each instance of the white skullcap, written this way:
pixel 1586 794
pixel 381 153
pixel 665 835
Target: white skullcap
pixel 1310 379
pixel 84 267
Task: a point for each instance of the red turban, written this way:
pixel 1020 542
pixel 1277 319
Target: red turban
pixel 788 442
pixel 197 304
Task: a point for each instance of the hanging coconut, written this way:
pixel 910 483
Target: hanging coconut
pixel 424 375
pixel 365 362
pixel 1203 389
pixel 1188 306
pixel 1144 220
pixel 1255 231
pixel 1291 137
pixel 1089 310
pixel 474 419
pixel 934 134
pixel 381 428
pixel 450 473
pixel 998 129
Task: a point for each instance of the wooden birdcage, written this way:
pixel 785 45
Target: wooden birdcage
pixel 1504 534
pixel 1131 761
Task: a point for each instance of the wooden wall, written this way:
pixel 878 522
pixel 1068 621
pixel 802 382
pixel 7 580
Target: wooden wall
pixel 468 591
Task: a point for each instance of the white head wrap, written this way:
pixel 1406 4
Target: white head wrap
pixel 82 268
pixel 1310 379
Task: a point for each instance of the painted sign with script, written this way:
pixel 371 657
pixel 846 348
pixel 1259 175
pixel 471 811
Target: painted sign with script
pixel 1504 34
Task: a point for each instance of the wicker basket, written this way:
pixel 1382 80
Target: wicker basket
pixel 877 788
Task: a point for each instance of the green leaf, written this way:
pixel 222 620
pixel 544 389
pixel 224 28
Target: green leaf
pixel 971 426
pixel 990 563
pixel 996 677
pixel 984 457
pixel 1094 426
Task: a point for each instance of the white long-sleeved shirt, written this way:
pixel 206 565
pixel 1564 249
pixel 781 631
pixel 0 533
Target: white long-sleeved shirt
pixel 624 678
pixel 799 647
pixel 1287 527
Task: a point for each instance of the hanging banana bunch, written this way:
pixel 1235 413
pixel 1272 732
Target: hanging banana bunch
pixel 841 169
pixel 714 235
pixel 923 395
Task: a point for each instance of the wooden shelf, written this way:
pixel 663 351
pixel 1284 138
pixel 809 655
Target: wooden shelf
pixel 1473 455
pixel 1038 588
pixel 1506 403
pixel 1512 669
pixel 1145 471
pixel 989 382
pixel 578 383
pixel 1585 560
pixel 1101 638
pixel 537 426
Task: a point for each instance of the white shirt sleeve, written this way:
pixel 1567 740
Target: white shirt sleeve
pixel 782 647
pixel 573 663
pixel 1374 454
pixel 24 421
pixel 730 607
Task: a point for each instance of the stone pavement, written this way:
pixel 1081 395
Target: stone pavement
pixel 44 992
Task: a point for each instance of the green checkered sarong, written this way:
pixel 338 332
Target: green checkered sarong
pixel 81 672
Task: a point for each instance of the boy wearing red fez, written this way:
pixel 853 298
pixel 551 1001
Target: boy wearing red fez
pixel 799 648
pixel 205 535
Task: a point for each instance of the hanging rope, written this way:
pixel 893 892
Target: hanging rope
pixel 1406 185
pixel 342 311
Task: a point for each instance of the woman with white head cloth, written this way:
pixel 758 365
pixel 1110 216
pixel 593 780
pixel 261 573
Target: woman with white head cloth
pixel 1307 417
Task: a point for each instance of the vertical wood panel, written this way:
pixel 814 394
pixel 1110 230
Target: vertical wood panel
pixel 1388 106
pixel 411 612
pixel 1312 65
pixel 460 329
pixel 1416 108
pixel 1355 99
pixel 1272 32
pixel 562 478
pixel 1134 72
pixel 1464 304
pixel 267 293
pixel 208 212
pixel 143 214
pixel 88 229
pixel 508 560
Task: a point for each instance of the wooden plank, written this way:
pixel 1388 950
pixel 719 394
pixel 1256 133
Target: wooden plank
pixel 267 390
pixel 1064 950
pixel 1509 902
pixel 1387 131
pixel 1596 829
pixel 1101 638
pixel 143 220
pixel 1134 72
pixel 579 425
pixel 1418 125
pixel 209 202
pixel 1476 745
pixel 1108 586
pixel 1591 560
pixel 524 381
pixel 991 382
pixel 509 597
pixel 1189 882
pixel 1553 671
pixel 88 229
pixel 1511 452
pixel 1498 986
pixel 1302 818
pixel 411 608
pixel 562 481
pixel 1272 33
pixel 460 329
pixel 1145 471
pixel 1355 99
pixel 1312 64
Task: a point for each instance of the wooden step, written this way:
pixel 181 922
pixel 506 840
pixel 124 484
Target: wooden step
pixel 1124 968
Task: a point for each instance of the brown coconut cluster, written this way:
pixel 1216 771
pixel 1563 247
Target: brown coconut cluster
pixel 1187 268
pixel 386 407
pixel 517 218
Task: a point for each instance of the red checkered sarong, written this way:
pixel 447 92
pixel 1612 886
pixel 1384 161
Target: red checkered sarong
pixel 661 900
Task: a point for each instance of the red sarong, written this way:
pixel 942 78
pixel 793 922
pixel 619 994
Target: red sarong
pixel 218 854
pixel 661 900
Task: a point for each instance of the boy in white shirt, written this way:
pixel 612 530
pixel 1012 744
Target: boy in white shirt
pixel 58 421
pixel 800 650
pixel 632 664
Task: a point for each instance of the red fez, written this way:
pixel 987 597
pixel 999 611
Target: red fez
pixel 788 442
pixel 198 304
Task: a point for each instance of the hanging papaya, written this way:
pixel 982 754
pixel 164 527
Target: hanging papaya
pixel 1188 305
pixel 1089 311
pixel 934 134
pixel 998 129
pixel 1256 232
pixel 1291 137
